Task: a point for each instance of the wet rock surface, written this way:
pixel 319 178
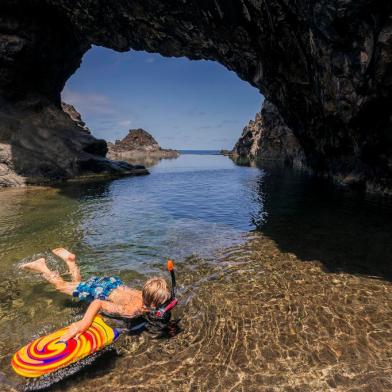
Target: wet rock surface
pixel 327 67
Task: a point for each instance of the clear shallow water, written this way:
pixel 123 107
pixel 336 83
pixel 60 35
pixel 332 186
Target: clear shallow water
pixel 189 205
pixel 284 281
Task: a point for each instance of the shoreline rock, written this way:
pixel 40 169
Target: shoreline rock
pixel 268 138
pixel 50 147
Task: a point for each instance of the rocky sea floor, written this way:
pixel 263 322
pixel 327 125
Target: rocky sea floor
pixel 260 320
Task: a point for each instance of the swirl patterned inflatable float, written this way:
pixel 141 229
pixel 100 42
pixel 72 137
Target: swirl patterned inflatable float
pixel 47 354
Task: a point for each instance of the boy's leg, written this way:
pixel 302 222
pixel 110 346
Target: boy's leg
pixel 51 276
pixel 70 260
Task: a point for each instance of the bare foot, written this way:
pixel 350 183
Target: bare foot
pixel 68 257
pixel 70 260
pixel 37 265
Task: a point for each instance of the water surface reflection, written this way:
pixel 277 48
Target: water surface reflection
pixel 343 230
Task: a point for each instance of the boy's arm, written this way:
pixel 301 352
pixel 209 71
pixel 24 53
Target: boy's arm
pixel 80 326
pixel 94 308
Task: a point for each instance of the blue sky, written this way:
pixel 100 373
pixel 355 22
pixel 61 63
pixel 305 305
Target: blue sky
pixel 184 104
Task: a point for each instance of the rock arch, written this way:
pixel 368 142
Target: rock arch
pixel 327 67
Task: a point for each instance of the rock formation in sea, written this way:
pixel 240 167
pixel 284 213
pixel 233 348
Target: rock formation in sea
pixel 326 66
pixel 268 138
pixel 138 143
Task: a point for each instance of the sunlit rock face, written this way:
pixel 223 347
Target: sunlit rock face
pixel 268 138
pixel 138 143
pixel 75 116
pixel 326 66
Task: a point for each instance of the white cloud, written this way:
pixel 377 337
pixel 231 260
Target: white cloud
pixel 150 60
pixel 103 117
pixel 88 103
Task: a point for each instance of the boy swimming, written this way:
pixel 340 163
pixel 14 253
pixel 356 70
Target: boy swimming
pixel 107 294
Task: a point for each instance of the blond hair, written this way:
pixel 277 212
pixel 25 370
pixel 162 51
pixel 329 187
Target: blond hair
pixel 155 292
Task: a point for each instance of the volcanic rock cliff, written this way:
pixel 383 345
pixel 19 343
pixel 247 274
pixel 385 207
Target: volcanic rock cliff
pixel 139 143
pixel 268 138
pixel 326 66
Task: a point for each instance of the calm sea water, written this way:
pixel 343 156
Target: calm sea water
pixel 266 258
pixel 192 205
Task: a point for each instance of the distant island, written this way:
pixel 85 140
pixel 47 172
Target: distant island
pixel 139 143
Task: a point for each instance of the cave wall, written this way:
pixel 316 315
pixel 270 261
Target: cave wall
pixel 326 66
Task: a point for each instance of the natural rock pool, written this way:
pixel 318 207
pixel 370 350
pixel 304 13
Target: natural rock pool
pixel 284 281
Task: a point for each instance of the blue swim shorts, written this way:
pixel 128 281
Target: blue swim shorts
pixel 96 288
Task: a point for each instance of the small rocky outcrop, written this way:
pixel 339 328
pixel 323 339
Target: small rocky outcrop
pixel 138 143
pixel 267 137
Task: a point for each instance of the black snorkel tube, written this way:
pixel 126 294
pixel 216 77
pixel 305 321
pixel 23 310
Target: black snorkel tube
pixel 170 268
pixel 172 302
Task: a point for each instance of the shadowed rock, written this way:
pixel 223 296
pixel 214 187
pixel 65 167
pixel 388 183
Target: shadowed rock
pixel 41 145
